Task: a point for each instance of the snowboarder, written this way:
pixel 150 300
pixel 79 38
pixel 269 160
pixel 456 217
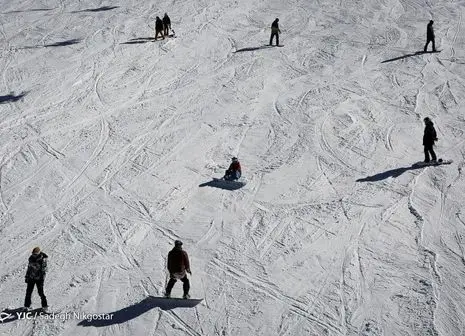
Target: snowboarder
pixel 234 171
pixel 178 266
pixel 35 275
pixel 430 36
pixel 158 28
pixel 166 25
pixel 275 31
pixel 429 137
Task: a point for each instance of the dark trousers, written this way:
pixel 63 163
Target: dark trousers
pixel 277 38
pixel 166 30
pixel 427 42
pixel 40 289
pixel 159 32
pixel 185 285
pixel 428 150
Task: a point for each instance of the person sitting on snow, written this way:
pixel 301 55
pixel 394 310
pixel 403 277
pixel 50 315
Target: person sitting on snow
pixel 234 171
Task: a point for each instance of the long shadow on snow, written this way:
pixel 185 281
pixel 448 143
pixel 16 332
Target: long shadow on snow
pixel 389 173
pixel 222 185
pixel 56 44
pixel 253 48
pixel 409 55
pixel 140 40
pixel 137 309
pixel 100 9
pixel 30 10
pixel 11 98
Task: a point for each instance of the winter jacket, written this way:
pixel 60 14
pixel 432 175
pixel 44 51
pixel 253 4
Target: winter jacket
pixel 275 27
pixel 235 166
pixel 429 137
pixel 37 267
pixel 158 24
pixel 166 21
pixel 178 261
pixel 430 31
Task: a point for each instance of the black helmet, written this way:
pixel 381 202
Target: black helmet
pixel 426 119
pixel 234 159
pixel 178 243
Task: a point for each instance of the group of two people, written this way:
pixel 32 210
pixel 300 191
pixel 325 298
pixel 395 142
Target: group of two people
pixel 162 27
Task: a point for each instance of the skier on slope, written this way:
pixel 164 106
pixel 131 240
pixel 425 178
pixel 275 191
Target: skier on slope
pixel 178 266
pixel 158 28
pixel 166 25
pixel 275 31
pixel 35 276
pixel 234 171
pixel 429 137
pixel 430 36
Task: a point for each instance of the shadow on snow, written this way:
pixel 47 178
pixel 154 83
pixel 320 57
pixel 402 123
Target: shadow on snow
pixel 137 309
pixel 227 185
pixel 253 48
pixel 56 44
pixel 10 98
pixel 100 9
pixel 390 173
pixel 140 40
pixel 409 55
pixel 30 10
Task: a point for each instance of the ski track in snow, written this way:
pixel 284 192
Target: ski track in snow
pixel 106 146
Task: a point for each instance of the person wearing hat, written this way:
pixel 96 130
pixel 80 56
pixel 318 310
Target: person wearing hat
pixel 430 35
pixel 35 276
pixel 429 137
pixel 178 266
pixel 275 31
pixel 234 171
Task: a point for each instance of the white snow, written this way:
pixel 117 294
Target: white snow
pixel 103 158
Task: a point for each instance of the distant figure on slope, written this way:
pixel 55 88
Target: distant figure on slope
pixel 166 25
pixel 430 36
pixel 158 28
pixel 234 171
pixel 429 137
pixel 178 265
pixel 35 275
pixel 275 31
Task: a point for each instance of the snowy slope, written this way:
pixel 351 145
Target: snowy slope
pixel 108 140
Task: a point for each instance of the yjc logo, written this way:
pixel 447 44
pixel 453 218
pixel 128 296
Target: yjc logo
pixel 4 316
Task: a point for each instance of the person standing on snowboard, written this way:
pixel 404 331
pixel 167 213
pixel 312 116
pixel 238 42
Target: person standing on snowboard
pixel 166 25
pixel 178 266
pixel 234 171
pixel 35 276
pixel 275 31
pixel 430 36
pixel 429 137
pixel 158 28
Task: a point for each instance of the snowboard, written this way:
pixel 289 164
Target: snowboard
pixel 280 45
pixel 439 162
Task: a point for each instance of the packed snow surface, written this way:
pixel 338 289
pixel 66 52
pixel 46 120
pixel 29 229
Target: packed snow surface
pixel 109 142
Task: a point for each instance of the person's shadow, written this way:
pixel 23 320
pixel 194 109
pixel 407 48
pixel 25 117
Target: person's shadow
pixel 409 55
pixel 390 173
pixel 11 98
pixel 137 309
pixel 223 184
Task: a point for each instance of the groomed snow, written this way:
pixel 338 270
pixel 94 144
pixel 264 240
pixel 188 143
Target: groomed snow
pixel 108 142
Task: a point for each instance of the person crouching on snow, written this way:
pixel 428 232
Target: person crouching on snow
pixel 234 171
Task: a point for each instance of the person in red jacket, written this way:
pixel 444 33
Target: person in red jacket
pixel 234 171
pixel 178 266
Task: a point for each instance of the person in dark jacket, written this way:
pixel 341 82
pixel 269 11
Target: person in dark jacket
pixel 178 266
pixel 158 28
pixel 166 25
pixel 35 276
pixel 234 171
pixel 429 137
pixel 430 36
pixel 275 31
